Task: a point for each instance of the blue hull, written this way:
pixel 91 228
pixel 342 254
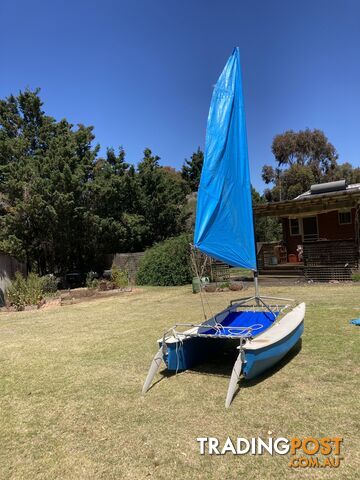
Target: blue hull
pixel 193 351
pixel 258 361
pixel 186 355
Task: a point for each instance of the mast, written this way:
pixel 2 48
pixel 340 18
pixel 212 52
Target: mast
pixel 256 284
pixel 256 272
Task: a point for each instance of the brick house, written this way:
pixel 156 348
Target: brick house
pixel 320 233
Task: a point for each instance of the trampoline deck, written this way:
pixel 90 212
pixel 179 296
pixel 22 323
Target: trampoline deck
pixel 244 323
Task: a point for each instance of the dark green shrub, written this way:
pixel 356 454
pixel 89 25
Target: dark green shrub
pixel 16 292
pixel 119 277
pixel 35 292
pixel 355 277
pixel 22 292
pixel 166 263
pixel 49 284
pixel 91 280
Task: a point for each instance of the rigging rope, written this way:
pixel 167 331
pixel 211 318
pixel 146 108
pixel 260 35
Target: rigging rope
pixel 193 259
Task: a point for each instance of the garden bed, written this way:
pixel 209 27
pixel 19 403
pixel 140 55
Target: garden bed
pixel 69 297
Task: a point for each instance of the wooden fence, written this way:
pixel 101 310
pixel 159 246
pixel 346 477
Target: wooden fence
pixel 8 267
pixel 330 260
pixel 126 261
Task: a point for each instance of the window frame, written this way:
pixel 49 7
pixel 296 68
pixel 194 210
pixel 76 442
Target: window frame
pixel 342 212
pixel 299 227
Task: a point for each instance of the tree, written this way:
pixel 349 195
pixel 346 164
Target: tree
pixel 113 201
pixel 303 158
pixel 306 147
pixel 44 165
pixel 267 229
pixel 135 208
pixel 62 206
pixel 348 172
pixel 191 170
pixel 290 183
pixel 163 194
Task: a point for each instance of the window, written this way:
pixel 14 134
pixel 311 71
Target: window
pixel 345 217
pixel 294 226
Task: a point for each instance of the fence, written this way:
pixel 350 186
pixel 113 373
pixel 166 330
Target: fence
pixel 330 260
pixel 270 253
pixel 8 267
pixel 126 261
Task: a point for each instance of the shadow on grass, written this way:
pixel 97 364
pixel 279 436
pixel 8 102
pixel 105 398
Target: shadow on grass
pixel 223 365
pixel 164 374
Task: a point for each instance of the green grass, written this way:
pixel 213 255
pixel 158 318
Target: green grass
pixel 71 379
pixel 241 272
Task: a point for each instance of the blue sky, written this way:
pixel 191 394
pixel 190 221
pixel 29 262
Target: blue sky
pixel 142 71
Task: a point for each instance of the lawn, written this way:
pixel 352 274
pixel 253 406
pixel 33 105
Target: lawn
pixel 71 379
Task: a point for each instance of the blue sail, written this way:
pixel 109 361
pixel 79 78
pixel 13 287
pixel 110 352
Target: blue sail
pixel 224 221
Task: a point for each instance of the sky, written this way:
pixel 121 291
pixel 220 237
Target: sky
pixel 142 71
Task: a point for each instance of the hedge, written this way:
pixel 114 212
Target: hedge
pixel 167 263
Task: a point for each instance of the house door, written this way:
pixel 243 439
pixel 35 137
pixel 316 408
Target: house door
pixel 310 229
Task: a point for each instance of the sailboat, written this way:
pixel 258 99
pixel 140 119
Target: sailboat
pixel 262 330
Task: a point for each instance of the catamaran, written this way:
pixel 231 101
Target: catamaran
pixel 262 329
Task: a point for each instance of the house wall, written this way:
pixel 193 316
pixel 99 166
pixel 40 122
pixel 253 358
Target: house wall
pixel 329 229
pixel 291 241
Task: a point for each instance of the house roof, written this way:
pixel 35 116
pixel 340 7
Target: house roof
pixel 309 202
pixel 349 188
